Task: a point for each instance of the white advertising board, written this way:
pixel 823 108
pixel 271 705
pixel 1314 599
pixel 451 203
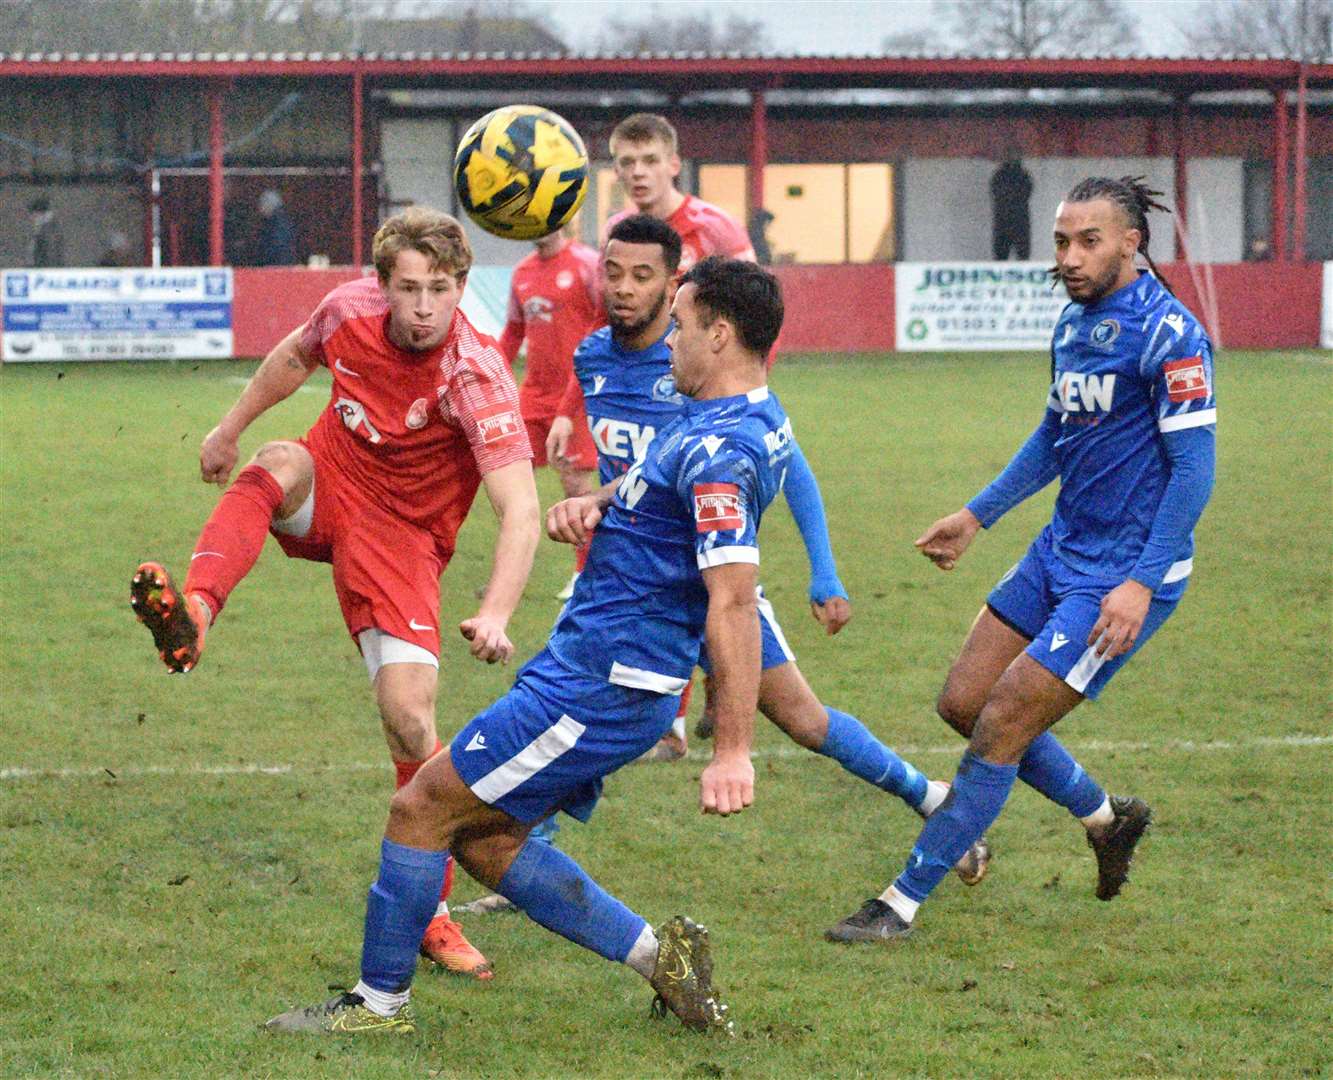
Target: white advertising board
pixel 957 306
pixel 113 314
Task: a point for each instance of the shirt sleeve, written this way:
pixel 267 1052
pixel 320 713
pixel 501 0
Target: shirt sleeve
pixel 1031 469
pixel 807 507
pixel 1178 362
pixel 729 239
pixel 482 400
pixel 511 340
pixel 317 330
pixel 722 492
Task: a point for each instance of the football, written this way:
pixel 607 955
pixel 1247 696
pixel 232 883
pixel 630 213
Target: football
pixel 521 172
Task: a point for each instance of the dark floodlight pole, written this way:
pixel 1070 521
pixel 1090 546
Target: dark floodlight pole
pixel 1298 207
pixel 358 219
pixel 215 142
pixel 1280 175
pixel 758 147
pixel 1180 117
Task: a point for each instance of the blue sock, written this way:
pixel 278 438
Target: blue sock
pixel 545 831
pixel 555 892
pixel 400 906
pixel 851 745
pixel 974 801
pixel 1052 770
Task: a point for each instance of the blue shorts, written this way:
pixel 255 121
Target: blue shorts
pixel 776 651
pixel 1056 607
pixel 546 744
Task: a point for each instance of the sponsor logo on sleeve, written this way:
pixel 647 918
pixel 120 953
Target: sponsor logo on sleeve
pixel 717 508
pixel 1186 379
pixel 498 422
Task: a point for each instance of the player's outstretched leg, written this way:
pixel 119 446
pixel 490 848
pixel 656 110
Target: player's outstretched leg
pixel 557 893
pixel 1114 844
pixel 177 622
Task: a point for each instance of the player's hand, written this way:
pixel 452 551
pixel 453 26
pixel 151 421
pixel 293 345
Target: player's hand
pixel 217 457
pixel 557 439
pixel 727 784
pixel 572 521
pixel 1117 628
pixel 488 638
pixel 946 540
pixel 833 614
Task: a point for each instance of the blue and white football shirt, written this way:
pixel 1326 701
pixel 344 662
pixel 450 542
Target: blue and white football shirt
pixel 692 502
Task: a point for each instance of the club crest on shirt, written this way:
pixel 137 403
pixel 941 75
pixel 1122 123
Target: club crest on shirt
pixel 538 309
pixel 417 415
pixel 1104 333
pixel 564 279
pixel 1186 379
pixel 665 390
pixel 717 508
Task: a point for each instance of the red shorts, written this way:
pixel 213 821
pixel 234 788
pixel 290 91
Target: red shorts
pixel 386 571
pixel 580 450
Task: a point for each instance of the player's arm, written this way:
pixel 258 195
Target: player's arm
pixel 1031 469
pixel 1187 426
pixel 573 521
pixel 513 496
pixel 277 378
pixel 511 339
pixel 828 598
pixel 731 634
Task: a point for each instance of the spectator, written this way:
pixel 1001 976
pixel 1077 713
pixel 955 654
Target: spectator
pixel 1010 189
pixel 758 230
pixel 1260 250
pixel 275 239
pixel 238 226
pixel 117 251
pixel 48 241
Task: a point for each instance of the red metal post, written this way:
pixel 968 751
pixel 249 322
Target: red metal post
pixel 358 220
pixel 1280 175
pixel 215 142
pixel 758 148
pixel 1180 117
pixel 1298 202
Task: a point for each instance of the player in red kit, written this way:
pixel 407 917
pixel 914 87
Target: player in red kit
pixel 646 158
pixel 554 303
pixel 423 410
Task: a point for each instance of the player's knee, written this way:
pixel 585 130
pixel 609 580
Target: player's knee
pixel 289 463
pixel 999 733
pixel 956 711
pixel 410 728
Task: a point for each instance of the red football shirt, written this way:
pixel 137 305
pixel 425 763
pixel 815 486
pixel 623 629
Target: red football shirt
pixel 704 230
pixel 414 431
pixel 554 304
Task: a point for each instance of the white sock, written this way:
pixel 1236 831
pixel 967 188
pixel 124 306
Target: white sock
pixel 381 1002
pixel 1100 818
pixel 442 908
pixel 936 790
pixel 905 906
pixel 643 954
pixel 678 728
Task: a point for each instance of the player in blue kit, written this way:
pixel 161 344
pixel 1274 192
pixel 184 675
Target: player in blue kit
pixel 1129 429
pixel 674 559
pixel 626 373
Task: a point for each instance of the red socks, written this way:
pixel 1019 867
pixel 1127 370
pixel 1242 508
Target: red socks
pixel 581 556
pixel 406 770
pixel 233 536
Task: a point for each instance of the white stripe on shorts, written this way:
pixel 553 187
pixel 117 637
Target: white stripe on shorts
pixel 556 740
pixel 767 614
pixel 642 679
pixel 1088 665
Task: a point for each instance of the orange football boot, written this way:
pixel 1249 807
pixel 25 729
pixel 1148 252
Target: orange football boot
pixel 444 945
pixel 175 621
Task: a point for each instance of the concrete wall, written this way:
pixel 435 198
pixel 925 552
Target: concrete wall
pixel 946 211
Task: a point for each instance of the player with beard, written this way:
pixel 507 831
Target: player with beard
pixel 1129 430
pixel 423 410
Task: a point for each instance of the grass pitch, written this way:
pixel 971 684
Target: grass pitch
pixel 184 857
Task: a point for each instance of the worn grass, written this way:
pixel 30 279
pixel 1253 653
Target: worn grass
pixel 156 912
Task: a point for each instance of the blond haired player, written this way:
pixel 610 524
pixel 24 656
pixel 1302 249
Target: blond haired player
pixel 423 410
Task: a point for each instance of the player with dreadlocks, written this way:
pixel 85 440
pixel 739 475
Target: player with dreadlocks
pixel 1129 431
